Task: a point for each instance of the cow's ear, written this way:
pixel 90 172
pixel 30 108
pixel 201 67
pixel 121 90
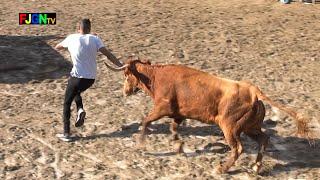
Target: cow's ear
pixel 147 62
pixel 132 66
pixel 130 59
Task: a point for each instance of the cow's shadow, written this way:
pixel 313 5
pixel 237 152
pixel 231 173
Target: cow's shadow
pixel 295 152
pixel 30 58
pixel 129 130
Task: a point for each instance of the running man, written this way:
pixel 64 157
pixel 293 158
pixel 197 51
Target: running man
pixel 83 48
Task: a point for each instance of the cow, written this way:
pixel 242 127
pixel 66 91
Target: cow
pixel 181 92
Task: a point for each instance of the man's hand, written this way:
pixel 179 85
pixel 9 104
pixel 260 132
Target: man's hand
pixel 59 47
pixel 110 56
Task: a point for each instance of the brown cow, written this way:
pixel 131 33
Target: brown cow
pixel 180 92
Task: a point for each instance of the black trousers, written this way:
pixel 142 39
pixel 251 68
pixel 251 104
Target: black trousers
pixel 74 88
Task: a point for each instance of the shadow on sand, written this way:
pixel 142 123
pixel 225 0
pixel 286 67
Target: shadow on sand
pixel 129 130
pixel 294 151
pixel 28 58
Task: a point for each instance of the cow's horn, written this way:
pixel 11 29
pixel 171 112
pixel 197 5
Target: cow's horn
pixel 116 68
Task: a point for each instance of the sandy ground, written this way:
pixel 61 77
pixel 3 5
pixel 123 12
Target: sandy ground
pixel 273 45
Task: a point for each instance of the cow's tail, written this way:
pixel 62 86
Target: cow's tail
pixel 301 122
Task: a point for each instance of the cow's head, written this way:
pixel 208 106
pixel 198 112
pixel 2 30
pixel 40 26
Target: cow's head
pixel 133 79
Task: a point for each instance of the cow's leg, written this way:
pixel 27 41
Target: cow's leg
pixel 262 139
pixel 173 128
pixel 178 144
pixel 154 115
pixel 233 139
pixel 257 135
pixel 239 144
pixel 232 130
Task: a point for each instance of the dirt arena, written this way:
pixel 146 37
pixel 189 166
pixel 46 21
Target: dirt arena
pixel 273 45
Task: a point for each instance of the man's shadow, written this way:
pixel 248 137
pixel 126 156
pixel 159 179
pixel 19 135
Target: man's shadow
pixel 30 58
pixel 295 152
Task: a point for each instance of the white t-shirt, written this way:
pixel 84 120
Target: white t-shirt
pixel 83 49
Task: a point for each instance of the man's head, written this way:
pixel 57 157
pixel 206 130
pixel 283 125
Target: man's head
pixel 84 26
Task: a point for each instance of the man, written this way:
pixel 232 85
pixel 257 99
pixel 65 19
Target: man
pixel 83 48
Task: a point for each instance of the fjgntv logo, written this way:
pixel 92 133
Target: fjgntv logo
pixel 37 19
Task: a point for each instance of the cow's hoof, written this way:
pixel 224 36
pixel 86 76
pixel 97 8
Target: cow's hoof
pixel 140 143
pixel 221 169
pixel 178 147
pixel 256 168
pixel 141 146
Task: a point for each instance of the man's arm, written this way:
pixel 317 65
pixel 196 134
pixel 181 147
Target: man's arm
pixel 59 47
pixel 110 56
pixel 63 44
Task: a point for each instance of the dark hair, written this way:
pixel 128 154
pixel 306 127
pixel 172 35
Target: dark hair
pixel 85 25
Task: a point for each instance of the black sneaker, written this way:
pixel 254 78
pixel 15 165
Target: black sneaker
pixel 64 137
pixel 80 118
